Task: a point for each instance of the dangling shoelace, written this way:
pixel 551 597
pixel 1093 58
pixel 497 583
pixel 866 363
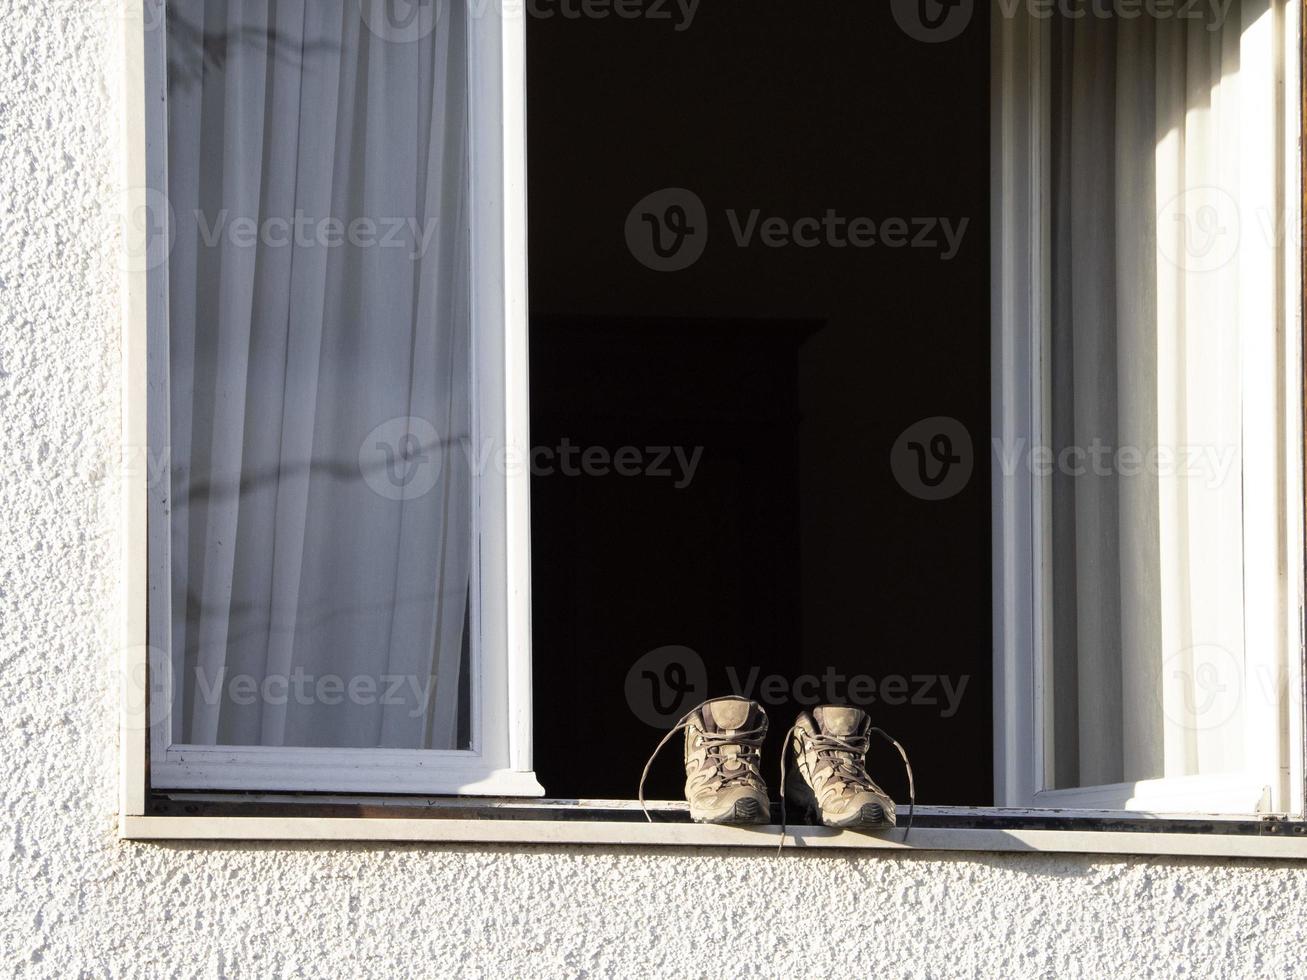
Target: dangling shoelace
pixel 854 745
pixel 748 740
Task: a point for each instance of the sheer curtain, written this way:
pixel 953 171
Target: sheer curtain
pixel 1151 137
pixel 320 370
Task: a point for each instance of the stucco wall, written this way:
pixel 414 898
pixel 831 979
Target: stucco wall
pixel 76 899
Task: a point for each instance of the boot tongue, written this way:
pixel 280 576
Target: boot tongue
pixel 729 715
pixel 839 721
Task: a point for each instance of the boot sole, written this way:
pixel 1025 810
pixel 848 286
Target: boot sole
pixel 870 816
pixel 744 811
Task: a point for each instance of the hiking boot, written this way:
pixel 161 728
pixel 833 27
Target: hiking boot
pixel 723 783
pixel 828 755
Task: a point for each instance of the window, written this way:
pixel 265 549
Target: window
pixel 336 592
pixel 1147 343
pixel 328 349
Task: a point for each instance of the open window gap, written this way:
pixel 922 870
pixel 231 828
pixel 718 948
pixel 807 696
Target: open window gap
pixel 725 493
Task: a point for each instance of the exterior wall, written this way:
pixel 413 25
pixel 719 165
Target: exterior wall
pixel 76 900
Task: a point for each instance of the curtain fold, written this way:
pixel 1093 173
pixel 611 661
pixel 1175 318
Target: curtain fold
pixel 320 376
pixel 1149 125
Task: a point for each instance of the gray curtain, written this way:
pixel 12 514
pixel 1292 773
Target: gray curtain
pixel 320 376
pixel 1149 130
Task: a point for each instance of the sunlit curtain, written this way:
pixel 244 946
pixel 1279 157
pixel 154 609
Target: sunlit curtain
pixel 321 495
pixel 1153 122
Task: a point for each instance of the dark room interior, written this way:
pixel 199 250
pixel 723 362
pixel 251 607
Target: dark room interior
pixel 782 366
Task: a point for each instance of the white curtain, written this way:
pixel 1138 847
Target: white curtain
pixel 319 376
pixel 1154 122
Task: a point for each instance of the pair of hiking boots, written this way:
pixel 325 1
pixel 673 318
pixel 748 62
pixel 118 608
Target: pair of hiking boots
pixel 823 769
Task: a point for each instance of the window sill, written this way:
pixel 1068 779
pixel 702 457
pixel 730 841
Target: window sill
pixel 606 823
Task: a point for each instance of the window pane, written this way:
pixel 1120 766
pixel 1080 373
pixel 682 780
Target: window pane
pixel 1151 143
pixel 319 362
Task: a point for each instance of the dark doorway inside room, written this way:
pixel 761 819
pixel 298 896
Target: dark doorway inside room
pixel 759 253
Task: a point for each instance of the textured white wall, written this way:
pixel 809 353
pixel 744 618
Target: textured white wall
pixel 76 900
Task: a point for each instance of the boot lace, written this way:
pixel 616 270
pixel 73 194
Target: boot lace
pixel 844 755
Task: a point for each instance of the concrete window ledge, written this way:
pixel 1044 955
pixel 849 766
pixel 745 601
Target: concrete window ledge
pixel 619 823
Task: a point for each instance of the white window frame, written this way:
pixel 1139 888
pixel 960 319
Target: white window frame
pixel 1018 248
pixel 498 763
pixel 1272 778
